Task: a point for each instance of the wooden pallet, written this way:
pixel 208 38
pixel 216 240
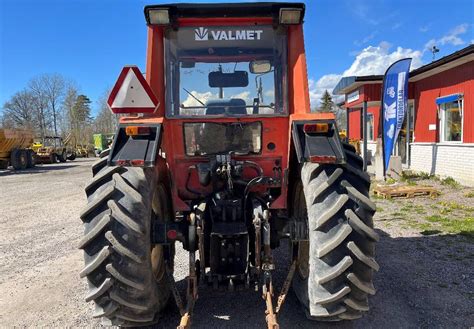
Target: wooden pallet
pixel 388 192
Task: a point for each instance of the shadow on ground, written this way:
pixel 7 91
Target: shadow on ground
pixel 38 169
pixel 421 283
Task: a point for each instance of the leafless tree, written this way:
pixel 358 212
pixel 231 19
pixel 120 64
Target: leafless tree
pixel 40 105
pixel 106 121
pixel 19 110
pixel 50 88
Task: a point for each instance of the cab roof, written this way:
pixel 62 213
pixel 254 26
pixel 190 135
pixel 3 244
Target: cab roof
pixel 234 10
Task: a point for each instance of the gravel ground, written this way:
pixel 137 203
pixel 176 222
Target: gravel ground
pixel 424 281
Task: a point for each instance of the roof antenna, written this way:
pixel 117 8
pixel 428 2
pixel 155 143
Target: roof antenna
pixel 434 50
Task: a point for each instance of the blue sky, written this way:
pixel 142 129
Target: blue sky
pixel 88 41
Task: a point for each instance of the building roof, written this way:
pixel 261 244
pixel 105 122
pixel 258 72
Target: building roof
pixel 347 84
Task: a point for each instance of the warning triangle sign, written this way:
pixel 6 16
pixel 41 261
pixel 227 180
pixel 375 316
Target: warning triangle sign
pixel 131 93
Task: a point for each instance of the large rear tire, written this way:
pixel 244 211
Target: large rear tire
pixel 334 269
pixel 19 159
pixel 125 272
pixel 72 156
pixel 31 159
pixel 62 157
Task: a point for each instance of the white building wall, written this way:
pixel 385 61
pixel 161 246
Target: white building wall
pixel 454 160
pixel 371 148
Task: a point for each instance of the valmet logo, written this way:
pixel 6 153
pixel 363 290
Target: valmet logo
pixel 204 34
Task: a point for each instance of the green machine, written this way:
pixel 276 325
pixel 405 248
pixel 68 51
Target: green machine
pixel 102 142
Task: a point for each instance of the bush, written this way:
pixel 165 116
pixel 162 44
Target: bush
pixel 449 181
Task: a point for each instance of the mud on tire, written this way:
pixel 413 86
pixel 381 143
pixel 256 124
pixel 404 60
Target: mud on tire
pixel 129 288
pixel 334 273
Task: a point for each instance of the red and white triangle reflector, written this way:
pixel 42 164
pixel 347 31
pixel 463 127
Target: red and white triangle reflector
pixel 131 93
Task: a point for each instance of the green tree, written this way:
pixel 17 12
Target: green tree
pixel 82 109
pixel 327 104
pixel 81 118
pixel 67 118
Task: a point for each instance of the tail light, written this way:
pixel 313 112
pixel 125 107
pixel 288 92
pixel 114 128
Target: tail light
pixel 316 128
pixel 323 159
pixel 137 130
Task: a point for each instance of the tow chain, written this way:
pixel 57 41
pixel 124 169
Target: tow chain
pixel 267 290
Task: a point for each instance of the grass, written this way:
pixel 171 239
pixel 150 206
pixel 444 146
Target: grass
pixel 407 175
pixel 449 206
pixel 411 183
pixel 420 210
pixel 449 181
pixel 462 226
pixel 469 194
pixel 410 208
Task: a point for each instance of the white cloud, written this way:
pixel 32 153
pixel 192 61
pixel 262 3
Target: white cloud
pixel 245 95
pixel 317 88
pixel 372 60
pixel 270 94
pixel 203 97
pixel 375 60
pixel 451 38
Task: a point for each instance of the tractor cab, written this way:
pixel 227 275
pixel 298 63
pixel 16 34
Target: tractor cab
pixel 53 141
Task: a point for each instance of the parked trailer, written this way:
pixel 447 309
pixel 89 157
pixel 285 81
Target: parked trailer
pixel 14 149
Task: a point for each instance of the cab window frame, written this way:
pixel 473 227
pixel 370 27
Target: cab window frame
pixel 172 81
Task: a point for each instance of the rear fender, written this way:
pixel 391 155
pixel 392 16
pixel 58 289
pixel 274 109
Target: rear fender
pixel 318 147
pixel 136 151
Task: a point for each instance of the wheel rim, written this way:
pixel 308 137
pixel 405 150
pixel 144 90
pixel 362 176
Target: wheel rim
pixel 159 211
pixel 23 160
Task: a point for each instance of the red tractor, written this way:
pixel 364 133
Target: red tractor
pixel 230 162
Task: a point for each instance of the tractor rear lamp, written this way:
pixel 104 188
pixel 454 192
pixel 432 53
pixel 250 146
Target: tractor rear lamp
pixel 172 234
pixel 137 163
pixel 322 159
pixel 134 163
pixel 137 130
pixel 158 16
pixel 290 16
pixel 315 128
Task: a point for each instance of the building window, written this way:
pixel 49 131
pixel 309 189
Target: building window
pixel 370 126
pixel 451 121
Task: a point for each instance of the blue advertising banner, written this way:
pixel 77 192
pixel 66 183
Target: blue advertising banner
pixel 394 104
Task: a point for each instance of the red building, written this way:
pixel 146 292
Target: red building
pixel 438 132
